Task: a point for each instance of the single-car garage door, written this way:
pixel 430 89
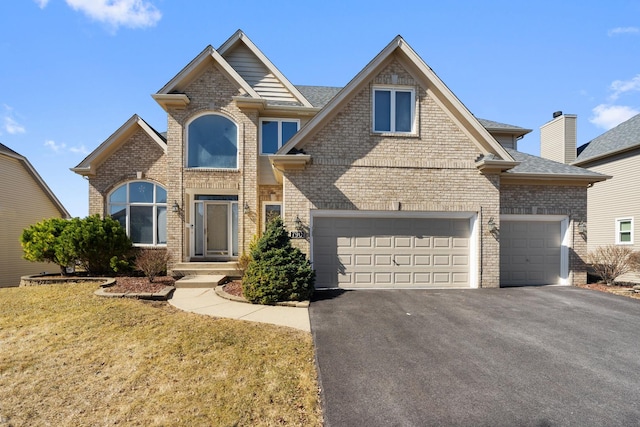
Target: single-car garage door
pixel 369 252
pixel 530 252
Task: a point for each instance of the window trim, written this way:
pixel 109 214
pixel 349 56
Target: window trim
pixel 279 121
pixel 393 90
pixel 127 205
pixel 619 221
pixel 186 141
pixel 264 211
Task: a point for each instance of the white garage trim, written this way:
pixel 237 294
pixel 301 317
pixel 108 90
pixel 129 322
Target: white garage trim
pixel 564 232
pixel 474 243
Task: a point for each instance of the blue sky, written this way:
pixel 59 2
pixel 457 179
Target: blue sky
pixel 73 71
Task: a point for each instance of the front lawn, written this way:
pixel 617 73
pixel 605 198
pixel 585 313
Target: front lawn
pixel 68 357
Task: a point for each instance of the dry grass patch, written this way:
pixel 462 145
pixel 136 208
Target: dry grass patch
pixel 68 357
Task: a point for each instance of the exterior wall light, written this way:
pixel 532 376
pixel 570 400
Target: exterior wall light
pixel 246 208
pixel 298 223
pixel 492 226
pixel 582 228
pixel 175 207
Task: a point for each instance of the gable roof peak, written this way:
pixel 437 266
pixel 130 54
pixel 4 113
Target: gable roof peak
pixel 457 111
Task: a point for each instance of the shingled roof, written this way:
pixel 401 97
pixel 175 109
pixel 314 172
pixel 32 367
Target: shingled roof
pixel 623 137
pixel 531 165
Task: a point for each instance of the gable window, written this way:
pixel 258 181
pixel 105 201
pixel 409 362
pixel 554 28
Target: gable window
pixel 274 133
pixel 624 231
pixel 393 109
pixel 141 209
pixel 212 142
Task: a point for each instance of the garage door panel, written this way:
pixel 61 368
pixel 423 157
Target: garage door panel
pixel 422 242
pixel 442 242
pixel 363 242
pixel 382 242
pixel 460 260
pixel 382 260
pixel 363 260
pixel 460 278
pixel 422 260
pixel 530 252
pixel 422 278
pixel 391 252
pixel 402 242
pixel 402 278
pixel 402 260
pixel 441 260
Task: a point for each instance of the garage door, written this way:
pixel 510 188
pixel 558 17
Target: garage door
pixel 391 252
pixel 530 252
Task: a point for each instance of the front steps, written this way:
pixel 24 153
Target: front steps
pixel 223 268
pixel 204 274
pixel 202 281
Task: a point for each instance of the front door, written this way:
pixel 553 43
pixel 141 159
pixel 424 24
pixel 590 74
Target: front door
pixel 216 229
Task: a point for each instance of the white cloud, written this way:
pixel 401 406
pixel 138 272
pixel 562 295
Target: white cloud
pixel 116 13
pixel 42 3
pixel 13 127
pixel 54 146
pixel 608 116
pixel 62 147
pixel 623 30
pixel 79 150
pixel 9 123
pixel 621 86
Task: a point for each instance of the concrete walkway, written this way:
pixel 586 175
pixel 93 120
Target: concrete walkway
pixel 206 301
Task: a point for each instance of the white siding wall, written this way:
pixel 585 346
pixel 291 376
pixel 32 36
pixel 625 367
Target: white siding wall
pixel 617 197
pixel 22 203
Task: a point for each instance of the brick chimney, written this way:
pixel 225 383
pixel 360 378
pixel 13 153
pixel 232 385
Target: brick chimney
pixel 558 138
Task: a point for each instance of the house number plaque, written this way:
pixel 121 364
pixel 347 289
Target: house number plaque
pixel 297 234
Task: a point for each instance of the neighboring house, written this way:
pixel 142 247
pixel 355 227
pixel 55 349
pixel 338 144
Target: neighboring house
pixel 25 199
pixel 614 205
pixel 387 182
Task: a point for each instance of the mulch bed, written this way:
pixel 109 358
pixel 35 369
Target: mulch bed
pixel 128 284
pixel 617 289
pixel 234 288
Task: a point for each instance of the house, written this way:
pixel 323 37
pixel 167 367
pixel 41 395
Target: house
pixel 614 206
pixel 389 181
pixel 25 199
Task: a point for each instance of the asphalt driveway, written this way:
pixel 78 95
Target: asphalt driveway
pixel 540 356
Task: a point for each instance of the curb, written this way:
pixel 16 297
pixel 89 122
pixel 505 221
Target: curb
pixel 222 294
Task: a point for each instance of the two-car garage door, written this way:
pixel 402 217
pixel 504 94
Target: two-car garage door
pixel 391 252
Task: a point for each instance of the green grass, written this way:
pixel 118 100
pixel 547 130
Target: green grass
pixel 68 357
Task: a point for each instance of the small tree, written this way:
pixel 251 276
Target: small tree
pixel 152 262
pixel 41 243
pixel 612 261
pixel 97 243
pixel 277 271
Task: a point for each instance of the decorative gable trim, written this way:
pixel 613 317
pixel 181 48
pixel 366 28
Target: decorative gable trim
pixel 170 91
pixel 172 100
pixel 241 37
pixel 442 95
pixel 89 165
pixel 280 163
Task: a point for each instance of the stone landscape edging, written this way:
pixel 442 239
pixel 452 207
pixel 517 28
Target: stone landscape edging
pixel 105 282
pixel 223 294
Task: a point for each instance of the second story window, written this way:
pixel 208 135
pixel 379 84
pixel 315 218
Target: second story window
pixel 274 133
pixel 393 109
pixel 212 142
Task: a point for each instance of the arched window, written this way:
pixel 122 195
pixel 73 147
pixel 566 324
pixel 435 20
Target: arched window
pixel 212 143
pixel 141 208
